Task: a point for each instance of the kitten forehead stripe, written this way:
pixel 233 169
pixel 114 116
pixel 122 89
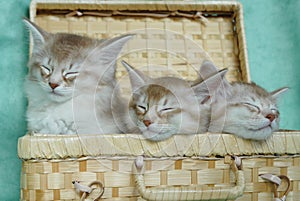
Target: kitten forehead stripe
pixel 157 92
pixel 165 102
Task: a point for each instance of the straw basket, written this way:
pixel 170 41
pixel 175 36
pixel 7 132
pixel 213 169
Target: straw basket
pixel 175 37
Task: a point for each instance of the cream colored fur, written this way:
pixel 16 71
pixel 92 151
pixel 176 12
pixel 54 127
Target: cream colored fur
pixel 243 109
pixel 70 84
pixel 165 106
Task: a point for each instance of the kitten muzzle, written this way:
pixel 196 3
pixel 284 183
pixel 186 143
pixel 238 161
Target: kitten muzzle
pixel 147 123
pixel 271 117
pixel 53 85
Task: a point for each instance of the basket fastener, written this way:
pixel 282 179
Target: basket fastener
pixel 230 159
pixel 272 178
pixel 87 190
pixel 276 180
pixel 139 162
pixel 82 188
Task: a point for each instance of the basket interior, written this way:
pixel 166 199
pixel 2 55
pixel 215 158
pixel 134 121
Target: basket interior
pixel 163 46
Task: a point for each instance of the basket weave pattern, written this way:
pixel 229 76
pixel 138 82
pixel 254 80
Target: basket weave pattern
pixel 52 180
pixel 49 166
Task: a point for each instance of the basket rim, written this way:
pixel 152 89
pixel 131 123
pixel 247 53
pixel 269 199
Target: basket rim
pixel 42 146
pixel 233 4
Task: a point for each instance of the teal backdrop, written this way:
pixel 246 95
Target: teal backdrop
pixel 272 34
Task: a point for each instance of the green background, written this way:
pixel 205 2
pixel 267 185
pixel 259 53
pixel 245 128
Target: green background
pixel 272 34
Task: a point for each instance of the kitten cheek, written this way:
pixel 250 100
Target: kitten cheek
pixel 68 81
pixel 163 115
pixel 45 76
pixel 71 79
pixel 140 117
pixel 140 112
pixel 275 124
pixel 169 113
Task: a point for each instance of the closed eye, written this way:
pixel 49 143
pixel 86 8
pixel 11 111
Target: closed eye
pixel 167 109
pixel 46 71
pixel 275 111
pixel 71 75
pixel 252 106
pixel 141 108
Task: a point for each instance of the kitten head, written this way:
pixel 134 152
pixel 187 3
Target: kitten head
pixel 158 111
pixel 246 110
pixel 165 106
pixel 58 59
pixel 251 111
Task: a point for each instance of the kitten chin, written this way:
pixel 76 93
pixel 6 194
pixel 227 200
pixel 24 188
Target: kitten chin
pixel 247 125
pixel 157 132
pixel 154 136
pixel 248 133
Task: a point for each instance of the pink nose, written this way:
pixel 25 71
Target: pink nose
pixel 271 117
pixel 147 122
pixel 53 85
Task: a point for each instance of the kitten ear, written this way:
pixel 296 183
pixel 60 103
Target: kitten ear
pixel 110 49
pixel 102 60
pixel 137 78
pixel 38 34
pixel 207 69
pixel 206 89
pixel 279 92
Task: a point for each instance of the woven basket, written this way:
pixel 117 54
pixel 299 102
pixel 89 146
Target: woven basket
pixel 175 37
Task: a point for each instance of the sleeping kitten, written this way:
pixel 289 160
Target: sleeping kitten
pixel 165 106
pixel 243 109
pixel 70 83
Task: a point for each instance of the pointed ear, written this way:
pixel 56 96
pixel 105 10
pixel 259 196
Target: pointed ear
pixel 110 49
pixel 107 53
pixel 279 92
pixel 137 78
pixel 38 34
pixel 207 69
pixel 103 58
pixel 207 89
